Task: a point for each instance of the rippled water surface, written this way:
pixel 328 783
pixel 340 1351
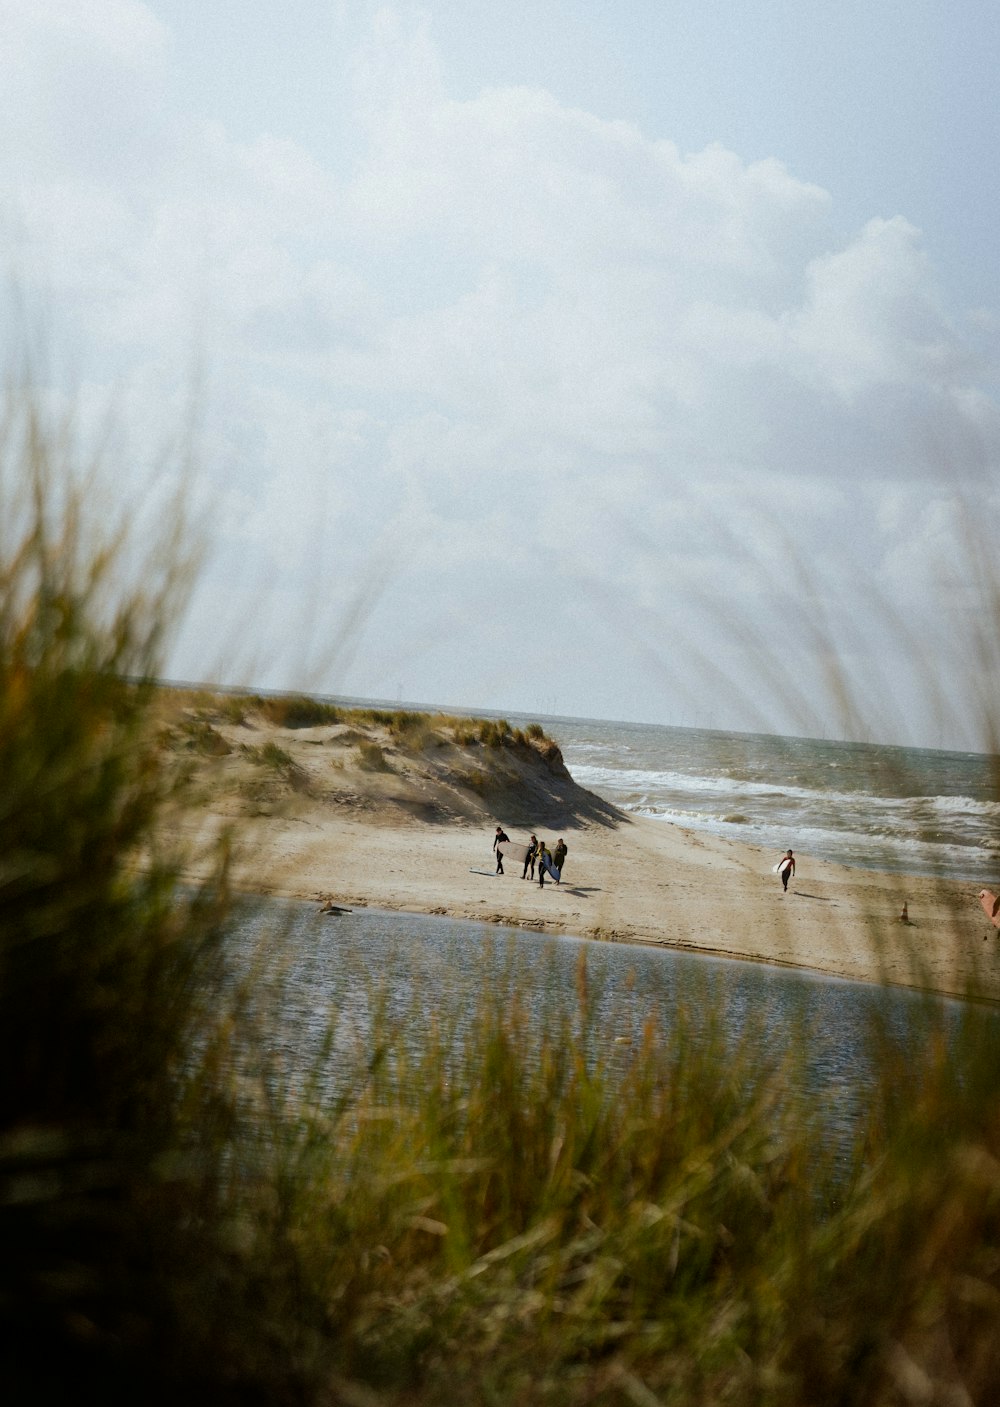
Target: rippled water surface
pixel 405 972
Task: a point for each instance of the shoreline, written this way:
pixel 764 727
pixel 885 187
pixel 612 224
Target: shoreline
pixel 646 882
pixel 662 944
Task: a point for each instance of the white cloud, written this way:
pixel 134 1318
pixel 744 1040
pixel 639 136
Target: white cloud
pixel 872 315
pixel 82 86
pixel 546 345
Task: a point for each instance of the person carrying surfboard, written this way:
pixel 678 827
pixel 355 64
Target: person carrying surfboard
pixel 501 835
pixel 786 868
pixel 559 858
pixel 529 859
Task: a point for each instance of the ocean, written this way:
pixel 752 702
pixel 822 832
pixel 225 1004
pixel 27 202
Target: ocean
pixel 905 810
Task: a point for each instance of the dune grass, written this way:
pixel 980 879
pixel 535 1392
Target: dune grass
pixel 540 1214
pixel 412 730
pixel 479 1216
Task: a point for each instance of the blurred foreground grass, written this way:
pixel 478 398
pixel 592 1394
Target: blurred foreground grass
pixel 489 1220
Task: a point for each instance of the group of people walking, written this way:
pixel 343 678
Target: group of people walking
pixel 551 862
pixel 548 862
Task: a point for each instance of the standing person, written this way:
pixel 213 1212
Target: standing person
pixel 500 836
pixel 543 860
pixel 529 859
pixel 559 858
pixel 786 868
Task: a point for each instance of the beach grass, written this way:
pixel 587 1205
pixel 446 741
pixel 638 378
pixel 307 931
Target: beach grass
pixel 668 1227
pixel 482 1215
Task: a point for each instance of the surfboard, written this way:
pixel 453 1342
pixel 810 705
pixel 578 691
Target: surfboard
pixel 513 850
pixel 782 863
pixel 991 906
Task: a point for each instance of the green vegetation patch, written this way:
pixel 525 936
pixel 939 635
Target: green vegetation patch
pixel 199 736
pixel 279 763
pixel 371 757
pixel 299 711
pixel 410 730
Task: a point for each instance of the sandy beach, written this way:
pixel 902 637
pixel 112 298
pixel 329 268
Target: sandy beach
pixel 315 824
pixel 646 882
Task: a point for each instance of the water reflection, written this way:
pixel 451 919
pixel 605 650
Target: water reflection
pixel 328 986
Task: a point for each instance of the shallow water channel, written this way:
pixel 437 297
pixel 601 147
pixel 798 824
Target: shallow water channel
pixel 364 973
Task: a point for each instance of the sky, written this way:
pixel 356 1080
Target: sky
pixel 632 360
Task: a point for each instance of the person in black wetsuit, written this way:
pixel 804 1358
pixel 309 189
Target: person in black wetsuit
pixel 559 858
pixel 500 835
pixel 529 859
pixel 787 868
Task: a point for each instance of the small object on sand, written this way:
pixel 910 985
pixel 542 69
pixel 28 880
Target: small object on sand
pixel 991 906
pixel 331 908
pixel 904 916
